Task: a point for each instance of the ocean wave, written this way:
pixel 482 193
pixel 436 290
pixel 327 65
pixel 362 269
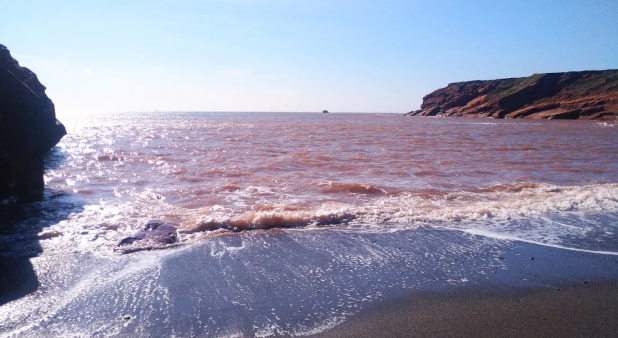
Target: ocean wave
pixel 354 188
pixel 272 219
pixel 100 227
pixel 498 202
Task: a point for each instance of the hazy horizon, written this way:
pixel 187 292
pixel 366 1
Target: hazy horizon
pixel 294 56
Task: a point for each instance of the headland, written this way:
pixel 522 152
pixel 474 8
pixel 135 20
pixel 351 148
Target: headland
pixel 585 95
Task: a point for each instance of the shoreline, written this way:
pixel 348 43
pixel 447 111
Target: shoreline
pixel 320 282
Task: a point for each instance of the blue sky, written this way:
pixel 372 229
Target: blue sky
pixel 294 55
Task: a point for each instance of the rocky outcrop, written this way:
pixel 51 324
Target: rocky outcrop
pixel 154 230
pixel 573 95
pixel 28 129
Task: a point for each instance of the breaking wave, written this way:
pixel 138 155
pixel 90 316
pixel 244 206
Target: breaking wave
pixel 407 209
pixel 100 228
pixel 499 202
pixel 351 188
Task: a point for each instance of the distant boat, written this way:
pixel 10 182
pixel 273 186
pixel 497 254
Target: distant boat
pixel 325 111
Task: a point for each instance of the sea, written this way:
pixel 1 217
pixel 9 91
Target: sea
pixel 290 223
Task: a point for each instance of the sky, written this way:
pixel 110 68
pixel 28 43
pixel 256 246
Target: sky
pixel 294 55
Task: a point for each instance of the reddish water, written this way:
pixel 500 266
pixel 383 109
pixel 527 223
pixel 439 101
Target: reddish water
pixel 254 170
pixel 191 158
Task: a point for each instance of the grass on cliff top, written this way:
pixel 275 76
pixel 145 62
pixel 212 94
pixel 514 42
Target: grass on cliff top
pixel 507 87
pixel 600 81
pixel 511 86
pixel 605 81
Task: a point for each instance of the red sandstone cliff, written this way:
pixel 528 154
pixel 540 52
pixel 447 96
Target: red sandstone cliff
pixel 573 95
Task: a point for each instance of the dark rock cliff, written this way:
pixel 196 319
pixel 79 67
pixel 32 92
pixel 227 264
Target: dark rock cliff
pixel 28 129
pixel 572 95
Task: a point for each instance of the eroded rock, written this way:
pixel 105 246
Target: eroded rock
pixel 154 230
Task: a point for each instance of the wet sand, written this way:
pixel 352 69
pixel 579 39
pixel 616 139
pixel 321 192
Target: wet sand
pixel 576 311
pixel 544 292
pixel 325 282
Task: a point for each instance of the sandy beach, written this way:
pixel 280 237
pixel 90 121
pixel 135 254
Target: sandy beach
pixel 543 292
pixel 583 310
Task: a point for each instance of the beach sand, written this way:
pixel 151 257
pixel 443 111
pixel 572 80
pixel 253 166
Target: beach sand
pixel 587 310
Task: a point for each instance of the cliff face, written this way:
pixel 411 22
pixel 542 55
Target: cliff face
pixel 572 95
pixel 28 129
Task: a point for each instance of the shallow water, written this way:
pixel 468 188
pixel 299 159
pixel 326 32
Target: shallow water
pixel 278 282
pixel 361 205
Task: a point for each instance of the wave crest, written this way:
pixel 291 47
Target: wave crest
pixel 354 188
pixel 104 226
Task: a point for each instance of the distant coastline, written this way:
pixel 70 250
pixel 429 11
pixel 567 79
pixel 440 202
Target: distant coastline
pixel 586 95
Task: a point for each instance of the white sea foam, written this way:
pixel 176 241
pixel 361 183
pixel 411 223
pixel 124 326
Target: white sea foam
pixel 495 209
pixel 485 233
pixel 500 202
